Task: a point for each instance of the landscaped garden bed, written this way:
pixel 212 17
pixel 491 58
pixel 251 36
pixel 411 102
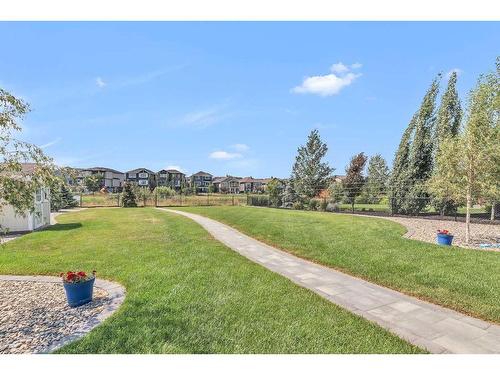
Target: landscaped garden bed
pixel 35 316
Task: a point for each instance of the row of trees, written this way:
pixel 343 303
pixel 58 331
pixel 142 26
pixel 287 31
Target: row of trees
pixel 446 158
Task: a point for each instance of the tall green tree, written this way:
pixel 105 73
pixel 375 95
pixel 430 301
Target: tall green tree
pixel 354 179
pixel 400 176
pixel 377 178
pixel 421 152
pixel 467 166
pixel 18 183
pixel 310 174
pixel 414 159
pixel 448 122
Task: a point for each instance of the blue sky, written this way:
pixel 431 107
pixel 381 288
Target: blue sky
pixel 229 98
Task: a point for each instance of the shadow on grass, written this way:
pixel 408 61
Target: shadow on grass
pixel 60 227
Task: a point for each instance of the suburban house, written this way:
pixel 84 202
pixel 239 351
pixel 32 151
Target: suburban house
pixel 228 184
pixel 201 181
pixel 142 177
pixel 253 185
pixel 112 179
pixel 37 218
pixel 171 178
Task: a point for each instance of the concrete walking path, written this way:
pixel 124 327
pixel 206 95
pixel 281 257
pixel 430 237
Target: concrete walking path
pixel 437 329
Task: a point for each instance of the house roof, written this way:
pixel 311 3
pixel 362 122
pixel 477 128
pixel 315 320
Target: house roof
pixel 103 169
pixel 217 180
pixel 137 170
pixel 201 173
pixel 251 179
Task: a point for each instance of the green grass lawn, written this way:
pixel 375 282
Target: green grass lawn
pixel 374 249
pixel 188 293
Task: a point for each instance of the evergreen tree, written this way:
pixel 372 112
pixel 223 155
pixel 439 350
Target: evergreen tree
pixel 421 153
pixel 354 180
pixel 378 176
pixel 56 197
pixel 289 197
pixel 128 198
pixel 414 159
pixel 448 121
pixel 67 197
pixel 400 177
pixel 309 174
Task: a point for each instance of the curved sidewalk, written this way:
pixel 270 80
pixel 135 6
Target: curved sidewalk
pixel 437 329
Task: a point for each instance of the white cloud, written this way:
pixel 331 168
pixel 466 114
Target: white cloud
pixel 51 143
pixel 241 147
pixel 339 68
pixel 356 66
pixel 100 82
pixel 455 70
pixel 329 84
pixel 224 155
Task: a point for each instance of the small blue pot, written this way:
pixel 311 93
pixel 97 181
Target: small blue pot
pixel 79 294
pixel 444 239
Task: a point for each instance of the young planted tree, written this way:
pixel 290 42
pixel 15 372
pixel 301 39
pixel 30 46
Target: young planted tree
pixel 467 165
pixel 289 196
pixel 275 190
pixel 94 182
pixel 18 184
pixel 377 178
pixel 309 174
pixel 448 121
pixel 129 198
pixel 354 179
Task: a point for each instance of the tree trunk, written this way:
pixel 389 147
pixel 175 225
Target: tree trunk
pixel 353 206
pixel 467 217
pixel 492 211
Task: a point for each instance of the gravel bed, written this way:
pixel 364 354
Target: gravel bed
pixel 35 315
pixel 425 230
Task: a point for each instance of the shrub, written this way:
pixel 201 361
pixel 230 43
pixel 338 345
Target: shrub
pixel 323 205
pixel 313 204
pixel 164 192
pixel 258 200
pixel 332 207
pixel 298 205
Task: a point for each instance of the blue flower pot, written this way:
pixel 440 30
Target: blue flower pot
pixel 79 294
pixel 444 239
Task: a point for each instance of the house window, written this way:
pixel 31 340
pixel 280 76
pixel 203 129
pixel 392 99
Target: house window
pixel 132 175
pixel 163 175
pixel 143 175
pixel 143 182
pixel 39 195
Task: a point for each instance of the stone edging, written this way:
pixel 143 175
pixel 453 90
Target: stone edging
pixel 116 295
